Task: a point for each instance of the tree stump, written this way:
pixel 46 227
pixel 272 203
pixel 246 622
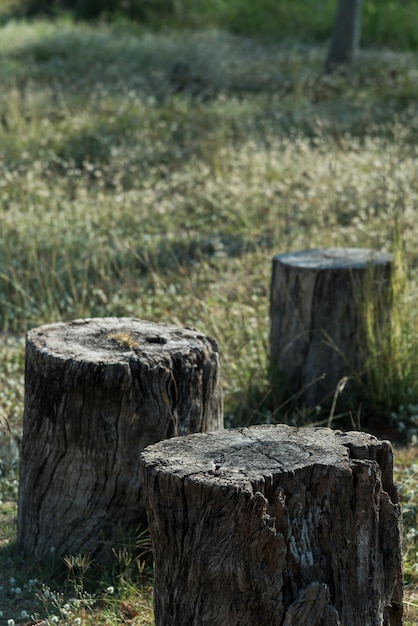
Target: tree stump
pixel 97 391
pixel 274 526
pixel 317 338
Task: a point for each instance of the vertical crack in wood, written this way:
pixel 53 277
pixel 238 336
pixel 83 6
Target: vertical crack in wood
pixel 307 533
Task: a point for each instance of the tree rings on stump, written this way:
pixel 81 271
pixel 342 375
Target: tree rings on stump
pixel 97 391
pixel 274 525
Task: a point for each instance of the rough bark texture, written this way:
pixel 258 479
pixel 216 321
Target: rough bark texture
pixel 274 526
pixel 346 34
pixel 97 391
pixel 316 313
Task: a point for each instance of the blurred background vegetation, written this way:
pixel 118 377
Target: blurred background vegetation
pixel 387 23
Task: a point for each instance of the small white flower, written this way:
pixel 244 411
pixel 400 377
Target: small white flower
pixel 17 591
pixel 12 581
pixel 1 613
pixel 11 622
pixel 24 614
pixel 110 590
pixel 77 621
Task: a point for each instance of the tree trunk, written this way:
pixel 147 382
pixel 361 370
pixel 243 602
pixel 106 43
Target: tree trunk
pixel 346 34
pixel 317 309
pixel 97 391
pixel 274 526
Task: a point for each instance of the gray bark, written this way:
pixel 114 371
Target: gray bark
pixel 97 391
pixel 346 34
pixel 274 526
pixel 317 316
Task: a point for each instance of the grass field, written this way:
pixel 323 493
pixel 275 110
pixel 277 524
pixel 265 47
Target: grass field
pixel 155 174
pixel 385 23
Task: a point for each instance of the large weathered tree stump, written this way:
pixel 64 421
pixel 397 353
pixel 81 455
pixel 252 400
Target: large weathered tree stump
pixel 97 391
pixel 317 306
pixel 274 526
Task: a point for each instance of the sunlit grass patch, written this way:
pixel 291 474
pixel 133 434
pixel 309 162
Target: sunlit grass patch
pixel 405 474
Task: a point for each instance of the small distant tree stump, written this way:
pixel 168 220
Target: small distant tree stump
pixel 274 526
pixel 97 391
pixel 317 334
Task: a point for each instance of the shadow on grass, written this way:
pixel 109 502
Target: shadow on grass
pixel 123 60
pixel 68 586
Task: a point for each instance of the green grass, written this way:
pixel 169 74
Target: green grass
pixel 155 174
pixel 385 23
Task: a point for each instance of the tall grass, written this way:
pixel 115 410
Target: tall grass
pixel 390 384
pixel 125 193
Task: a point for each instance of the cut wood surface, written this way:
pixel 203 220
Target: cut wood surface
pixel 317 308
pixel 274 526
pixel 97 391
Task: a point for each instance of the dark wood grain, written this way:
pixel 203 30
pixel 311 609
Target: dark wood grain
pixel 274 526
pixel 317 306
pixel 97 391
